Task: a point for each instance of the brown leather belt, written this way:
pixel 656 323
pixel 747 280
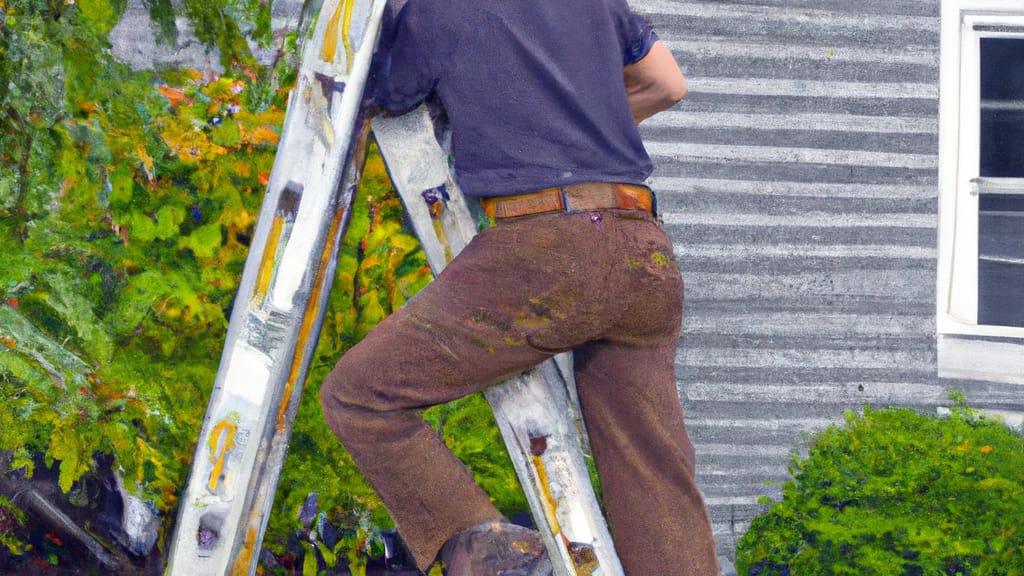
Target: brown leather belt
pixel 572 198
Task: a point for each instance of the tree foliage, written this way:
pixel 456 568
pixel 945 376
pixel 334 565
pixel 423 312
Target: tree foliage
pixel 126 204
pixel 897 492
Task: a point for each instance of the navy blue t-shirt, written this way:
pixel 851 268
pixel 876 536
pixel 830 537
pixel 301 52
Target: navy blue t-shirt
pixel 533 89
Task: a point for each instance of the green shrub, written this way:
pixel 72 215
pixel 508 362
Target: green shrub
pixel 127 201
pixel 897 492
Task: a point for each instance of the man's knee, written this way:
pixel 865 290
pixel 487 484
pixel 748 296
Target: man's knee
pixel 340 397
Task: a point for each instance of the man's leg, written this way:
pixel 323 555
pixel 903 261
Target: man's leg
pixel 464 332
pixel 627 389
pixel 373 402
pixel 644 459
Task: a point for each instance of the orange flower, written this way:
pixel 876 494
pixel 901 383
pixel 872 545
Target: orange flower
pixel 986 449
pixel 264 135
pixel 173 95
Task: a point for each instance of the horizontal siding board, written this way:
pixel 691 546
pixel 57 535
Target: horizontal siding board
pixel 686 199
pixel 820 344
pixel 804 418
pixel 827 261
pixel 851 393
pixel 796 25
pixel 867 305
pixel 771 467
pixel 743 152
pixel 787 198
pixel 704 388
pixel 885 289
pixel 689 50
pixel 822 357
pixel 928 8
pixel 853 103
pixel 885 144
pixel 781 323
pixel 838 89
pixel 684 189
pixel 811 13
pixel 884 235
pixel 811 122
pixel 713 167
pixel 682 213
pixel 797 67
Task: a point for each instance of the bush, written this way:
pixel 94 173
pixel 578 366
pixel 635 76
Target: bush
pixel 127 202
pixel 897 492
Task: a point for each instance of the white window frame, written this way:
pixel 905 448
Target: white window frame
pixel 959 134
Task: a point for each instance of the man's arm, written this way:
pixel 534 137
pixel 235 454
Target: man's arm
pixel 654 83
pixel 400 77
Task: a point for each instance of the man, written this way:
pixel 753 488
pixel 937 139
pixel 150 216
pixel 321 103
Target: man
pixel 542 99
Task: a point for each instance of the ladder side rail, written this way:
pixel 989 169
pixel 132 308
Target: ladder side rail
pixel 265 478
pixel 279 306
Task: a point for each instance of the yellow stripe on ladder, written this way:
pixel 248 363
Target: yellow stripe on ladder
pixel 268 263
pixel 342 16
pixel 346 28
pixel 330 46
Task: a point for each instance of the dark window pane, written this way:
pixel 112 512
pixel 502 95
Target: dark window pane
pixel 1002 107
pixel 999 293
pixel 1001 259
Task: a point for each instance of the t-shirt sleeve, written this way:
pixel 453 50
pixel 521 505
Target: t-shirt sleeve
pixel 639 37
pixel 401 76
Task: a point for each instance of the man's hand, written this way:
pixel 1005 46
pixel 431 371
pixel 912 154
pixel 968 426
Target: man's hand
pixel 654 83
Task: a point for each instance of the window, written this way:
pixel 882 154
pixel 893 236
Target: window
pixel 981 175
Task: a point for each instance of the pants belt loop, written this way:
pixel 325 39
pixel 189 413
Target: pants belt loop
pixel 565 199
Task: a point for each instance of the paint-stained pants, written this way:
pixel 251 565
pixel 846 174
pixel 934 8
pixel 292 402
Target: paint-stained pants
pixel 602 284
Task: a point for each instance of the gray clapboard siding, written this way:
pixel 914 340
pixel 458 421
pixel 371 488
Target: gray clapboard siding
pixel 798 181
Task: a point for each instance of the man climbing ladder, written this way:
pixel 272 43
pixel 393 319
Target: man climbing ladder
pixel 542 100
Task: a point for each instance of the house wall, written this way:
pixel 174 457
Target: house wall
pixel 798 180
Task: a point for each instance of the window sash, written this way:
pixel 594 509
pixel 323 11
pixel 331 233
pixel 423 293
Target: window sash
pixel 965 23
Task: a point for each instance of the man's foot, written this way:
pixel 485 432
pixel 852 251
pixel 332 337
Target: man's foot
pixel 496 548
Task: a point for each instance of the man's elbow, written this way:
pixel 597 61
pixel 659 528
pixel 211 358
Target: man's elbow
pixel 675 91
pixel 670 92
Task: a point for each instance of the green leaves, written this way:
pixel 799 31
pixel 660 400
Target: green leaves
pixel 204 241
pixel 70 447
pixel 102 15
pixel 31 103
pixel 169 219
pixel 127 201
pixel 897 492
pixel 117 268
pixel 11 519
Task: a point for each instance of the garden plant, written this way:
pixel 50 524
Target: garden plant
pixel 896 492
pixel 127 199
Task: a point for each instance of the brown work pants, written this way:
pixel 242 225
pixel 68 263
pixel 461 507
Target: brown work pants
pixel 603 284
